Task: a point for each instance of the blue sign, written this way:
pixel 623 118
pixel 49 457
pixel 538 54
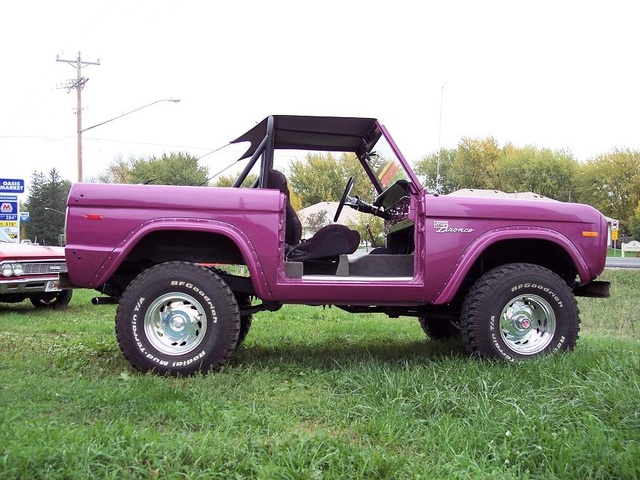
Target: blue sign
pixel 24 216
pixel 8 208
pixel 13 185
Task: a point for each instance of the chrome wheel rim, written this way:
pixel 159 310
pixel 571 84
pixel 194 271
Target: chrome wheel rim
pixel 175 324
pixel 527 324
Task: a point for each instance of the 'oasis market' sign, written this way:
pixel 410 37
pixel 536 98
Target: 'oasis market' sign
pixel 11 185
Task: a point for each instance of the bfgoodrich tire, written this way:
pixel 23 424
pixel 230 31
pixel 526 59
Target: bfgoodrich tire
pixel 245 320
pixel 177 318
pixel 518 311
pixel 438 328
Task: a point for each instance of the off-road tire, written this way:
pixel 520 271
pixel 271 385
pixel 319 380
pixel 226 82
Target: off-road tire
pixel 243 300
pixel 517 311
pixel 177 318
pixel 245 320
pixel 438 328
pixel 53 300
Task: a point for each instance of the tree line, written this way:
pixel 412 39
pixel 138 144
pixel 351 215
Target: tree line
pixel 46 205
pixel 609 182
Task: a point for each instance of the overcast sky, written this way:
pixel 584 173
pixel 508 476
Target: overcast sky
pixel 558 74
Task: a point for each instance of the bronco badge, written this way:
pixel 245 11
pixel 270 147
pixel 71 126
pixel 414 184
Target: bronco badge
pixel 442 226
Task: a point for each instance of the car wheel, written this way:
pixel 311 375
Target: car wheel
pixel 518 311
pixel 177 318
pixel 245 320
pixel 52 300
pixel 439 328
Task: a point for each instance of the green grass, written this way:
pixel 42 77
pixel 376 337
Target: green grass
pixel 617 252
pixel 318 393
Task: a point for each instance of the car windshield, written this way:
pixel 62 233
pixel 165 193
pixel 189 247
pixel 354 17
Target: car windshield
pixel 385 164
pixel 4 237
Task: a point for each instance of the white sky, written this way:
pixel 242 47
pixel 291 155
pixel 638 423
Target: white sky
pixel 558 74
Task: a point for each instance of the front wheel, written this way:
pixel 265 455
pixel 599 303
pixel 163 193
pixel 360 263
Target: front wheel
pixel 438 328
pixel 53 300
pixel 245 320
pixel 177 318
pixel 518 311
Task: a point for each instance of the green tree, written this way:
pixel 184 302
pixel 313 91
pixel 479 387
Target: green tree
pixel 46 205
pixel 542 171
pixel 611 183
pixel 429 166
pixel 321 177
pixel 229 180
pixel 370 229
pixel 118 171
pixel 634 224
pixel 475 164
pixel 168 169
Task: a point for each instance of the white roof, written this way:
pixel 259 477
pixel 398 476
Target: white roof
pixel 479 192
pixel 348 214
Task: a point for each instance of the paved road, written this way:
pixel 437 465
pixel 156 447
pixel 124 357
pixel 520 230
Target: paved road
pixel 630 262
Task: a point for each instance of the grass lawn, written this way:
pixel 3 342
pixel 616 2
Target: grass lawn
pixel 617 252
pixel 319 393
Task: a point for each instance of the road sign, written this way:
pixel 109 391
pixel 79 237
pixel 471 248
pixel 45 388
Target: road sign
pixel 12 185
pixel 8 207
pixel 614 234
pixel 24 216
pixel 614 225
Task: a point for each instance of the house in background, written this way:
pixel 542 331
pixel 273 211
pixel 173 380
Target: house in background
pixel 317 216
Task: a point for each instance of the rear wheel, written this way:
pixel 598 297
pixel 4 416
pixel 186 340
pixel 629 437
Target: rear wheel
pixel 518 311
pixel 177 318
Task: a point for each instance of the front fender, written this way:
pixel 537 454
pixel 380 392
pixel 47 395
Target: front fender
pixel 480 244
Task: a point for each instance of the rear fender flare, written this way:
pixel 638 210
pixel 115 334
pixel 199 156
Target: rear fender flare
pixel 114 259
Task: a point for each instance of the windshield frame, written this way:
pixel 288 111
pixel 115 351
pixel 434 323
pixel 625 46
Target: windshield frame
pixel 5 238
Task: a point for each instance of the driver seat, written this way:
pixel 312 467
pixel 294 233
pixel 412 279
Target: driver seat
pixel 327 243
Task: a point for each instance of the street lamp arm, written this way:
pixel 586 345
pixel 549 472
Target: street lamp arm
pixel 174 100
pixel 49 209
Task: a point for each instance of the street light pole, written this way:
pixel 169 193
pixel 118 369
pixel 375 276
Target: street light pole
pixel 82 130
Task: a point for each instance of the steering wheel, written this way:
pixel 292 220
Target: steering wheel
pixel 343 200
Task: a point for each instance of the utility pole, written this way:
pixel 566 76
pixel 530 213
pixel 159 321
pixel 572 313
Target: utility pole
pixel 78 84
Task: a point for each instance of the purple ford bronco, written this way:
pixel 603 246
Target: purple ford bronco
pixel 501 273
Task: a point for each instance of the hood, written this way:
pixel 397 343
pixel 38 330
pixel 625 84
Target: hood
pixel 17 251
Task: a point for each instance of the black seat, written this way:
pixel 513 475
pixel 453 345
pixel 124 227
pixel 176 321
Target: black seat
pixel 329 242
